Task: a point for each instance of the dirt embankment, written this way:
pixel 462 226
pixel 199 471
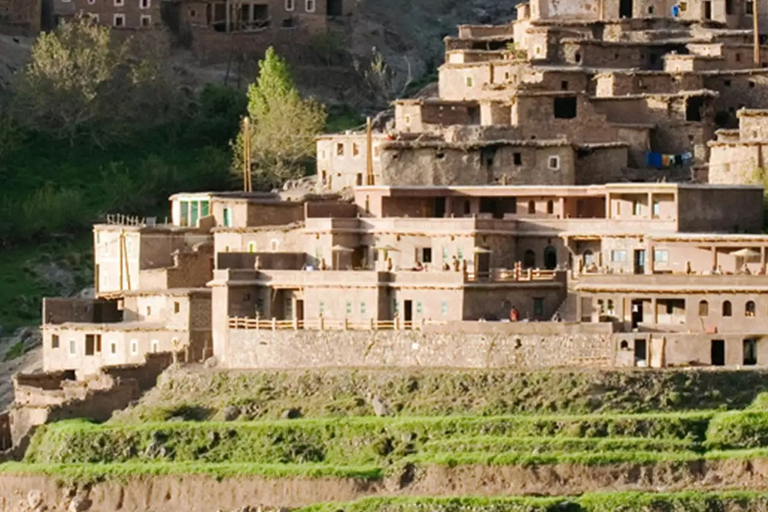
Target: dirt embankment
pixel 24 493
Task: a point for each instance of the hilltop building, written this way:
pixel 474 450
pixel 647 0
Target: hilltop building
pixel 571 93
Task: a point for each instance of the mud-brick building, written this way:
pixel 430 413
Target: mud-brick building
pixel 20 17
pixel 622 90
pixel 221 28
pixel 738 155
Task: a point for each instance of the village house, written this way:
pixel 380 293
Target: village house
pixel 737 155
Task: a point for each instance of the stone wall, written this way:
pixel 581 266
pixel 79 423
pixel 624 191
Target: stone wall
pixel 20 17
pixel 531 348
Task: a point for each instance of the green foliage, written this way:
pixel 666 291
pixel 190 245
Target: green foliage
pixel 15 351
pixel 216 117
pixel 370 440
pixel 283 126
pixel 82 83
pixel 342 118
pixel 738 430
pixel 482 393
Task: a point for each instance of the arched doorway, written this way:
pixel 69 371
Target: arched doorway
pixel 550 258
pixel 529 259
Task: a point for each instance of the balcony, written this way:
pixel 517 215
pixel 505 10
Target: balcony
pixel 671 282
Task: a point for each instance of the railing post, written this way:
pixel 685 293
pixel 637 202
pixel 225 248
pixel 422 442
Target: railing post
pixel 274 323
pixel 322 324
pixel 374 326
pixel 346 324
pixel 397 323
pixel 295 324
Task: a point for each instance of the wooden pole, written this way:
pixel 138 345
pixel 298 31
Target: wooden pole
pixel 120 252
pixel 368 152
pixel 247 179
pixel 756 30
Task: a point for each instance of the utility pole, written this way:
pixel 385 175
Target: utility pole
pixel 368 152
pixel 756 30
pixel 247 179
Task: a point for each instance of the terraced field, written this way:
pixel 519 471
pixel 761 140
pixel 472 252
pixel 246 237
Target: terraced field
pixel 172 451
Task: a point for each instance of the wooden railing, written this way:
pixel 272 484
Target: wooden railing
pixel 323 324
pixel 498 275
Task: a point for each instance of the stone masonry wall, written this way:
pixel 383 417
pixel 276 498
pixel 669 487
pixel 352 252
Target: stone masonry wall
pixel 355 349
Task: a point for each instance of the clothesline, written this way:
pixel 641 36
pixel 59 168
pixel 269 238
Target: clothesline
pixel 664 161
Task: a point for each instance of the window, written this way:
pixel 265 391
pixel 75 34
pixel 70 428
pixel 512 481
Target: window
pixel 419 308
pixel 749 7
pixel 321 308
pixel 274 245
pixel 564 85
pixel 134 347
pixel 618 256
pixel 459 254
pixel 661 256
pixel 145 4
pixel 517 158
pixel 251 246
pixel 91 2
pixel 426 255
pixel 90 344
pixel 469 81
pixel 703 308
pixel 376 152
pixel 727 309
pixel 531 207
pixel 445 254
pixel 146 20
pixel 289 5
pixel 637 208
pixel 444 308
pixel 565 108
pixel 309 5
pixel 355 149
pixel 259 307
pixel 550 207
pixel 118 20
pixel 119 3
pixel 113 348
pixel 72 348
pixel 54 341
pixel 227 218
pixel 553 163
pixel 407 120
pixel 683 6
pixel 656 209
pixel 176 306
pixel 155 346
pixel 538 307
pixel 349 307
pixel 362 308
pixel 149 310
pixel 749 309
pixel 340 149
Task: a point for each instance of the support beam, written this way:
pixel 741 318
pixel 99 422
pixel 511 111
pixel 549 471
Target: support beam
pixel 756 30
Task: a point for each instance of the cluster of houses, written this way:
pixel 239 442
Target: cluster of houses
pixel 592 169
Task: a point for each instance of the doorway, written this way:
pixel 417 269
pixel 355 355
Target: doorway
pixel 707 10
pixel 625 9
pixel 718 352
pixel 640 261
pixel 299 314
pixel 641 353
pixel 550 258
pixel 408 313
pixel 637 313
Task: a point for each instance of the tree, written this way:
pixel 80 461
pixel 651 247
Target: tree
pixel 284 126
pixel 80 81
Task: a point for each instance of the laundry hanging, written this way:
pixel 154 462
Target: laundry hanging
pixel 665 161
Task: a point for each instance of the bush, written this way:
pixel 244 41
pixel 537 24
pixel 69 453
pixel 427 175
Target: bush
pixel 738 430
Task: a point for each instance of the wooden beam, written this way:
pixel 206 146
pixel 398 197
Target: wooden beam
pixel 756 31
